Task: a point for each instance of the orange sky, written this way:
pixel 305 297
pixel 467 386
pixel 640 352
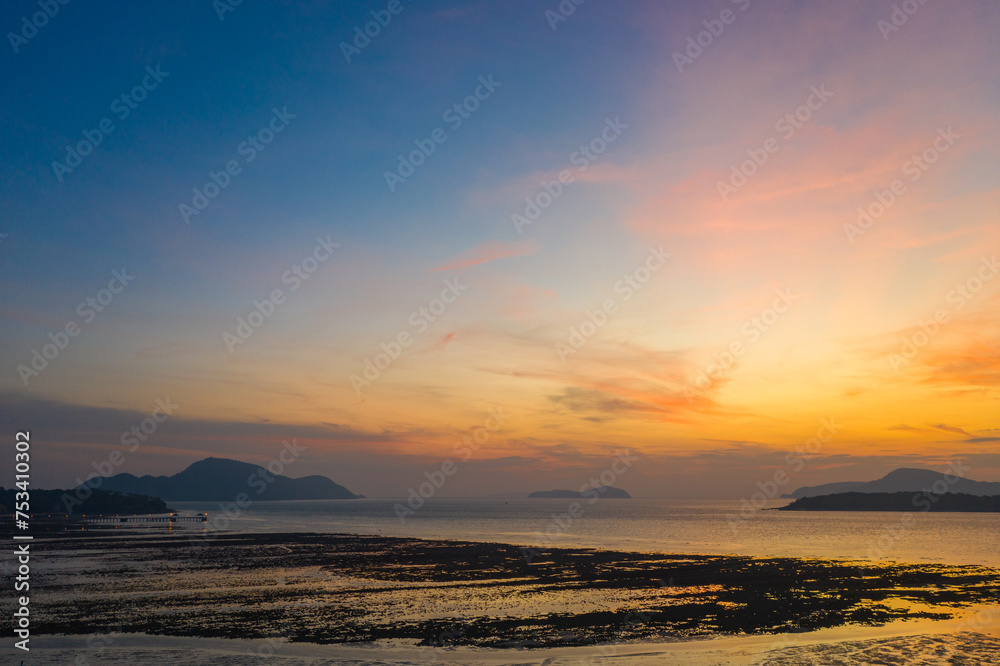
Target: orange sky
pixel 774 311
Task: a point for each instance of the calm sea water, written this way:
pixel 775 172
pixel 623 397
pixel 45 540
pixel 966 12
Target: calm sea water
pixel 670 526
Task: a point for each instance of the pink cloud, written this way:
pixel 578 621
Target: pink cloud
pixel 438 345
pixel 489 251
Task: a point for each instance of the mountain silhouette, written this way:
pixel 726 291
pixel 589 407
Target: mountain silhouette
pixel 904 479
pixel 220 479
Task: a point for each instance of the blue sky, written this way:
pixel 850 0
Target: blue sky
pixel 656 185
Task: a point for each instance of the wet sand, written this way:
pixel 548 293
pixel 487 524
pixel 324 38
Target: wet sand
pixel 908 646
pixel 371 599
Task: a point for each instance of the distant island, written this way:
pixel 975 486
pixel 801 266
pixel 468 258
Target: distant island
pixel 97 502
pixel 903 501
pixel 904 479
pixel 603 491
pixel 221 479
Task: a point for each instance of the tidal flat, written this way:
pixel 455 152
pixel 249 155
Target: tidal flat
pixel 356 589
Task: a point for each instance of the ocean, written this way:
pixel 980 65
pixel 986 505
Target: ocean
pixel 669 526
pixel 270 590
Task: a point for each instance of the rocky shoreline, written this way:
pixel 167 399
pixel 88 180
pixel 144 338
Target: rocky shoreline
pixel 339 588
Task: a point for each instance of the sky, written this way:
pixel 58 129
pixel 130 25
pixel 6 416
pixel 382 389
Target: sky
pixel 723 238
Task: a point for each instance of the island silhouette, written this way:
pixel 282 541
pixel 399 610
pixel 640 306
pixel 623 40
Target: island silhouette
pixel 222 479
pixel 902 501
pixel 905 479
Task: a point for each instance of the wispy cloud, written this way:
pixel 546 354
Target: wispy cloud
pixel 947 428
pixel 490 251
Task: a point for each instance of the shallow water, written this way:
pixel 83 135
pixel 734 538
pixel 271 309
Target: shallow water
pixel 673 526
pixel 354 589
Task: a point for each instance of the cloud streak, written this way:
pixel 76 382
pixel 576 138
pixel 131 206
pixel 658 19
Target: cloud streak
pixel 490 251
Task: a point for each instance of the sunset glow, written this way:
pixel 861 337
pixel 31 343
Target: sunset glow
pixel 699 259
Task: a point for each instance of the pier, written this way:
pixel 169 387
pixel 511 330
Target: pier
pixel 104 519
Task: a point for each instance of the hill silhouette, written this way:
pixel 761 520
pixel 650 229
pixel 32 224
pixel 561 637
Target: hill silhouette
pixel 902 480
pixel 903 501
pixel 221 479
pixel 97 501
